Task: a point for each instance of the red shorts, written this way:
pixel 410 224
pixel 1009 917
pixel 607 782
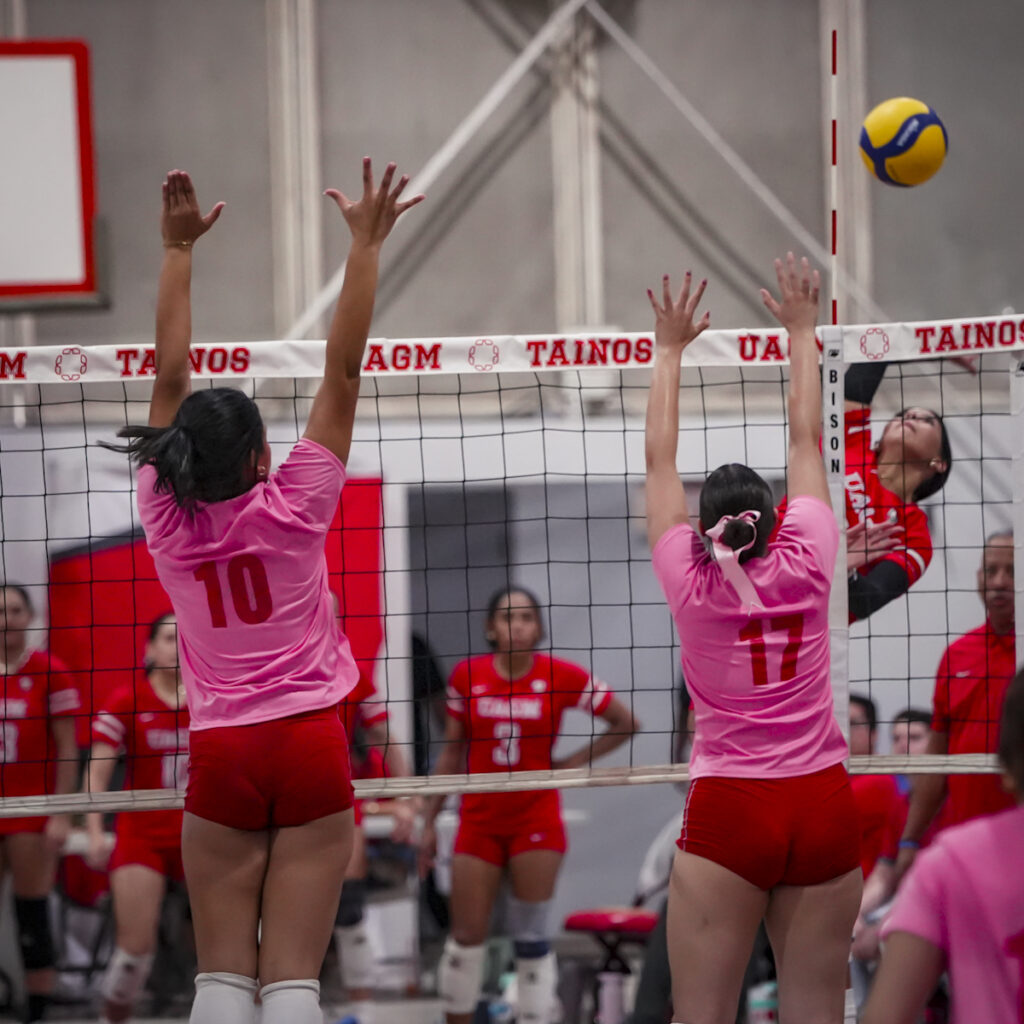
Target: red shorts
pixel 132 848
pixel 497 846
pixel 12 826
pixel 275 774
pixel 799 831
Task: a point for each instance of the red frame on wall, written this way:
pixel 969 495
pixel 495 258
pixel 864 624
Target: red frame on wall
pixel 29 294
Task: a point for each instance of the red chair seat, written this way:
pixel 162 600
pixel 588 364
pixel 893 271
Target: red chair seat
pixel 614 920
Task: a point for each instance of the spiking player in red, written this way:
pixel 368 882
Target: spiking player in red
pixel 505 711
pixel 37 755
pixel 888 542
pixel 147 724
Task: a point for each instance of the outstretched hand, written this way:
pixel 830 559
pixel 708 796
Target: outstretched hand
pixel 371 218
pixel 799 287
pixel 868 541
pixel 181 223
pixel 673 320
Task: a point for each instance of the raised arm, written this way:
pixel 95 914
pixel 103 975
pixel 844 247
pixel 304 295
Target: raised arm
pixel 674 329
pixel 797 311
pixel 370 220
pixel 181 224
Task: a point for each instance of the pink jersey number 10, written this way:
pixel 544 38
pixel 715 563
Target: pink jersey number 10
pixel 250 590
pixel 753 632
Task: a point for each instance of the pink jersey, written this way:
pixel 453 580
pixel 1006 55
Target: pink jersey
pixel 248 580
pixel 964 896
pixel 760 682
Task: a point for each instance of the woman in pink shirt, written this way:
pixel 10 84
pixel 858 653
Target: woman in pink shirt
pixel 267 830
pixel 961 910
pixel 770 827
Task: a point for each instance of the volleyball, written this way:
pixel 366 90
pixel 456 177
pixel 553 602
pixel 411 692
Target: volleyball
pixel 903 142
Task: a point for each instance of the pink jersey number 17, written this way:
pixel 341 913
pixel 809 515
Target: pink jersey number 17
pixel 753 632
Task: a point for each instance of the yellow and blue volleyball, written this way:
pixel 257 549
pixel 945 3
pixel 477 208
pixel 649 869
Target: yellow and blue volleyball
pixel 903 142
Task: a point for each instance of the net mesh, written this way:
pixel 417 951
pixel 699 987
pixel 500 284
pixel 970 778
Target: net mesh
pixel 480 463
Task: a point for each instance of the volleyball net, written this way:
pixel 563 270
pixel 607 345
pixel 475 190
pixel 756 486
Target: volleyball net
pixel 483 463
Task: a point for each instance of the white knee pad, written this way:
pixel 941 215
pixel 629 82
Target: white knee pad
pixel 126 977
pixel 224 998
pixel 291 1002
pixel 460 976
pixel 537 979
pixel 354 956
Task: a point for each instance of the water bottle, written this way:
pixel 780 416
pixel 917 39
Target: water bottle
pixel 763 1003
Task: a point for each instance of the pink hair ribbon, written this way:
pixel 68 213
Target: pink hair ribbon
pixel 728 558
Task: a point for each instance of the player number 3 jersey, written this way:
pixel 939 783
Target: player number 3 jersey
pixel 512 725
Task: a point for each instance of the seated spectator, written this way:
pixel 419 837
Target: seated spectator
pixel 961 909
pixel 38 755
pixel 911 728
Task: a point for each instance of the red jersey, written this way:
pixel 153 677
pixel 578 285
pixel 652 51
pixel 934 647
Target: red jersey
pixel 512 725
pixel 882 813
pixel 868 499
pixel 970 687
pixel 154 741
pixel 362 707
pixel 41 687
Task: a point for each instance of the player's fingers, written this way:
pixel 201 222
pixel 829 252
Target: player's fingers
pixel 805 275
pixel 211 218
pixel 402 207
pixel 769 300
pixel 385 181
pixel 780 275
pixel 696 297
pixel 791 276
pixel 666 292
pixel 653 301
pixel 339 197
pixel 397 190
pixel 367 176
pixel 684 290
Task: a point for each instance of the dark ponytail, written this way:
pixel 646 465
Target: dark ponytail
pixel 730 490
pixel 207 454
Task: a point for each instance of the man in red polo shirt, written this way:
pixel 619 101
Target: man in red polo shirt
pixel 969 690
